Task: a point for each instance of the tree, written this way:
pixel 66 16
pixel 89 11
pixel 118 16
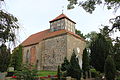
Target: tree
pixel 117 53
pixel 105 32
pixel 90 5
pixel 85 64
pixel 4 58
pixel 28 72
pixel 78 32
pixel 66 67
pixel 76 71
pixel 71 68
pixel 99 51
pixel 16 58
pixel 8 27
pixel 109 68
pixel 58 73
pixel 90 37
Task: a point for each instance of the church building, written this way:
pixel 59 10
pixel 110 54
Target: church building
pixel 47 49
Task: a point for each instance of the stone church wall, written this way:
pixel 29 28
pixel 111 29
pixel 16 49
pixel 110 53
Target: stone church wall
pixel 54 51
pixel 50 52
pixel 30 54
pixel 77 45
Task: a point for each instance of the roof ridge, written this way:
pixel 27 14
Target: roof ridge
pixel 40 32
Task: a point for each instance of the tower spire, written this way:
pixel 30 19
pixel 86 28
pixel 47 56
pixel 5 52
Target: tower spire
pixel 62 9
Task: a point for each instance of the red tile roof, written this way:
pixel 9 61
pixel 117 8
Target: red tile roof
pixel 61 16
pixel 36 38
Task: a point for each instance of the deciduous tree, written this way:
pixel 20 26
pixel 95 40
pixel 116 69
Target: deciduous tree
pixel 8 27
pixel 90 5
pixel 16 58
pixel 117 53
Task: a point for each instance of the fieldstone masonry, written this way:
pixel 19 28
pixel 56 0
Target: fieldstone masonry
pixel 54 52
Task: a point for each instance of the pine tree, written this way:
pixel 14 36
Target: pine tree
pixel 65 64
pixel 75 67
pixel 71 68
pixel 58 73
pixel 85 65
pixel 4 58
pixel 66 67
pixel 110 68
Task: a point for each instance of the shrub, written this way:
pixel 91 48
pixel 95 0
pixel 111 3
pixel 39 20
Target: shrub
pixel 118 78
pixel 94 73
pixel 27 73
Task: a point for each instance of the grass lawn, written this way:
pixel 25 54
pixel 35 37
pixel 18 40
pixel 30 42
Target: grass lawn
pixel 41 74
pixel 46 73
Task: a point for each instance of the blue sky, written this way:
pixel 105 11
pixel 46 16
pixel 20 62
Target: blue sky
pixel 34 15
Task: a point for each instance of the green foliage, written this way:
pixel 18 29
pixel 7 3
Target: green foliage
pixel 65 65
pixel 16 60
pixel 78 32
pixel 71 68
pixel 90 5
pixel 99 51
pixel 4 58
pixel 85 64
pixel 85 59
pixel 28 73
pixel 46 73
pixel 117 53
pixel 76 71
pixel 58 73
pixel 109 68
pixel 94 73
pixel 118 78
pixel 8 25
pixel 66 68
pixel 90 37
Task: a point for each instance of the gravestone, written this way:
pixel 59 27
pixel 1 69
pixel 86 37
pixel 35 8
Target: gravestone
pixel 11 69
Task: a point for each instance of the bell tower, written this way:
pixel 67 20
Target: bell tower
pixel 62 22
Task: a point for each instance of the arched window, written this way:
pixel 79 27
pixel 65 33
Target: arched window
pixel 27 56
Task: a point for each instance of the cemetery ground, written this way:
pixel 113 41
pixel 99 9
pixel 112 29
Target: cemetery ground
pixel 41 74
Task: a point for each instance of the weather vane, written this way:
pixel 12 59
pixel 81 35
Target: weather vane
pixel 62 9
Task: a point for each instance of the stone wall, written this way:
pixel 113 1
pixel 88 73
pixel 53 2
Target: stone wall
pixel 50 52
pixel 54 51
pixel 30 54
pixel 77 44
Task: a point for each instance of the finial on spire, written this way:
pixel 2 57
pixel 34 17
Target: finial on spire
pixel 62 9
